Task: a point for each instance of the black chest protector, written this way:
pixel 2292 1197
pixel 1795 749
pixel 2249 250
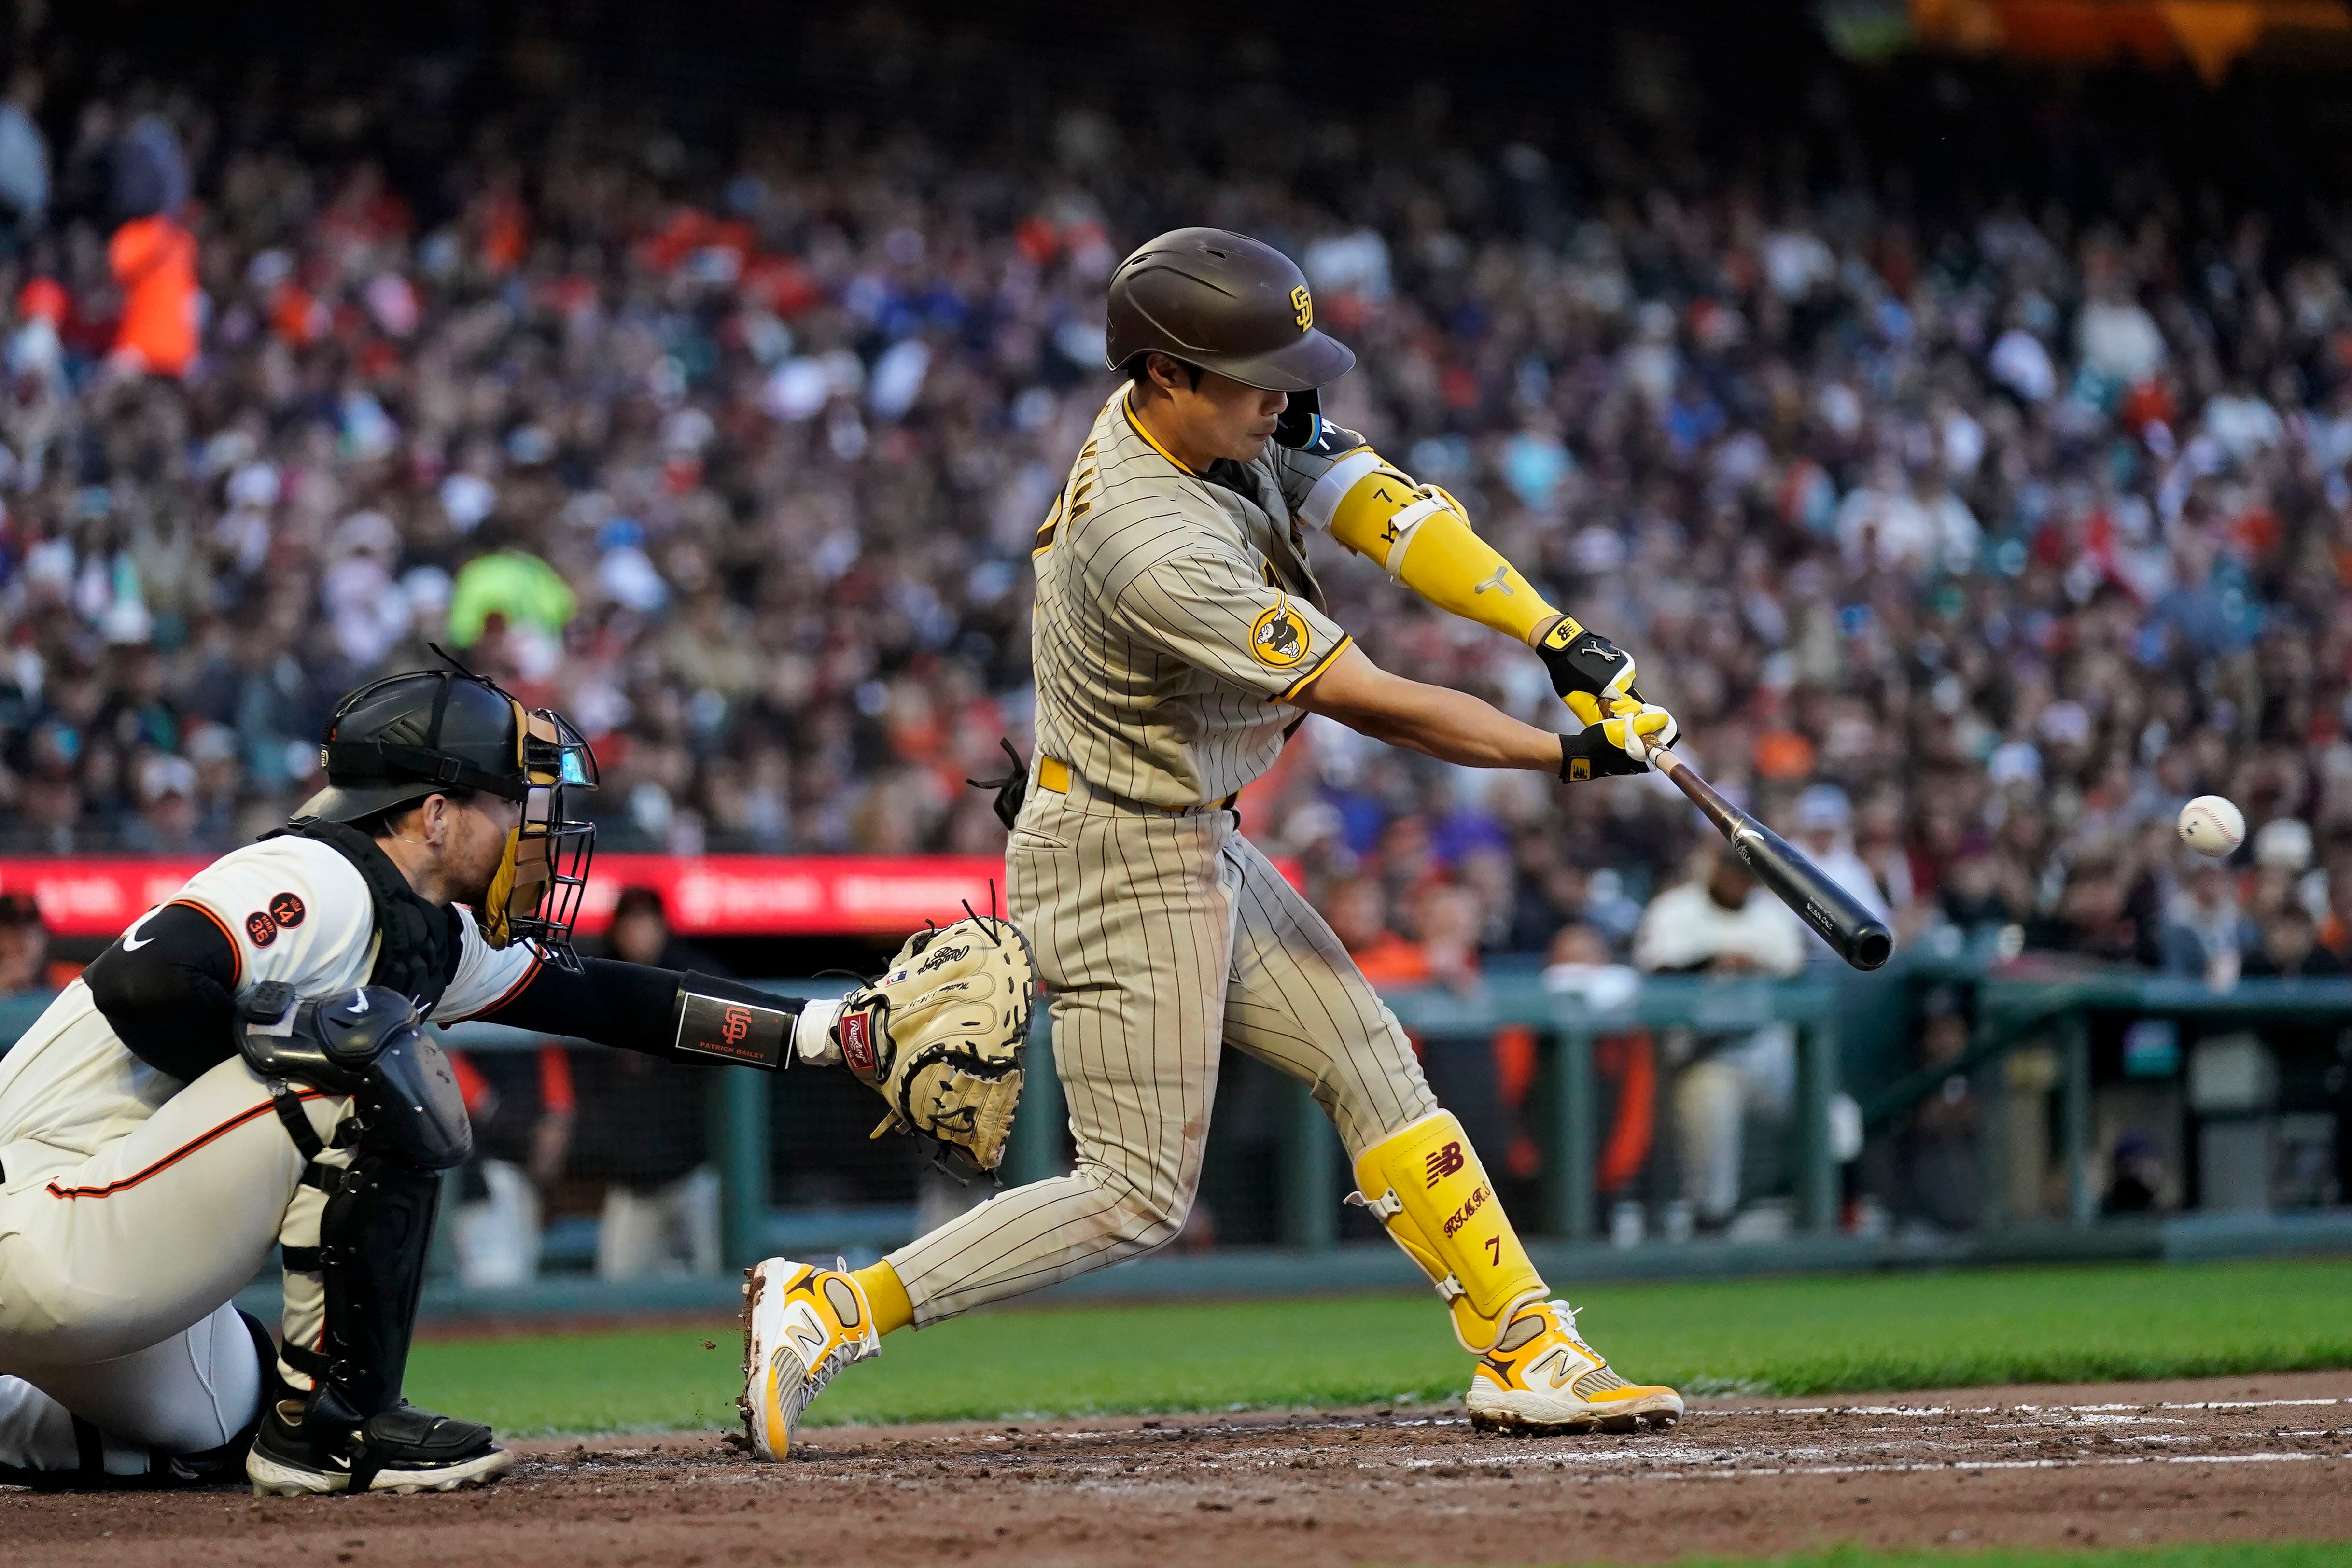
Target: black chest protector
pixel 422 942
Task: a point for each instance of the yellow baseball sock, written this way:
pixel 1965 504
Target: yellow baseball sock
pixel 886 1295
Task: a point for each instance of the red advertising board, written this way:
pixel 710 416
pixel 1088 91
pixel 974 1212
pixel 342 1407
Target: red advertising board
pixel 715 895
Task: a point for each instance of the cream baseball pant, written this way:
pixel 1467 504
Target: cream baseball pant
pixel 497 1237
pixel 1162 937
pixel 660 1231
pixel 116 1273
pixel 1713 1099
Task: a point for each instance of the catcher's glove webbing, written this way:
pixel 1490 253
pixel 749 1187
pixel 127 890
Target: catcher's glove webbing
pixel 940 1036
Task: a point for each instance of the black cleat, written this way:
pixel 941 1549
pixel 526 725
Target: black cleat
pixel 402 1450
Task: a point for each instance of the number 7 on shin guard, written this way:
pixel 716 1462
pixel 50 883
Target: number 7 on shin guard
pixel 1426 1184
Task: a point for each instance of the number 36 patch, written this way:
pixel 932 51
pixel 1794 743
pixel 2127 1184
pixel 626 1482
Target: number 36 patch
pixel 285 912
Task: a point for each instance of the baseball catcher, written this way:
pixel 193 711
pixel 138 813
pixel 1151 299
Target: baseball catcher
pixel 1180 637
pixel 248 1068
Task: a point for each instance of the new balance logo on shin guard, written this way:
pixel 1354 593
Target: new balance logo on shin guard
pixel 1426 1184
pixel 1445 1215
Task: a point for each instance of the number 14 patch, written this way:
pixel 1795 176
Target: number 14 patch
pixel 285 912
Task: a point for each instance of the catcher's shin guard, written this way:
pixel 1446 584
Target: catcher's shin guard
pixel 338 1423
pixel 1426 1184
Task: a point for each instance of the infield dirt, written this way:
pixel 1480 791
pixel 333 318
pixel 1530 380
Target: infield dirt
pixel 2118 1464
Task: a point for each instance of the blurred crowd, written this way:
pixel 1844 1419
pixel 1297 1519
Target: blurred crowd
pixel 1968 533
pixel 1966 546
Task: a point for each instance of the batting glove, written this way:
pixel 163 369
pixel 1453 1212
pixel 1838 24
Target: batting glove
pixel 1627 742
pixel 1588 670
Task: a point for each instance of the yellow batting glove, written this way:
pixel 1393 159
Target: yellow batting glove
pixel 1625 741
pixel 1637 728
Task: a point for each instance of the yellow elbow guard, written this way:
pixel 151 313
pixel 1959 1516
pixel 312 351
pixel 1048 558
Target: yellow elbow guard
pixel 1426 1184
pixel 1418 533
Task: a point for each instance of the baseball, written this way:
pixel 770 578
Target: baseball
pixel 2212 825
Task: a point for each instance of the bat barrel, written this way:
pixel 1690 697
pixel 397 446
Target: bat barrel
pixel 1853 933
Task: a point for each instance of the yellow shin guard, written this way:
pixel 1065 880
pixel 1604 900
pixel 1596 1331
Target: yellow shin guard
pixel 1426 1184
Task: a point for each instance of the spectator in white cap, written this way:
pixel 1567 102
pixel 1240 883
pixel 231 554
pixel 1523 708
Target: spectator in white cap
pixel 365 607
pixel 2282 871
pixel 168 812
pixel 1824 824
pixel 2205 932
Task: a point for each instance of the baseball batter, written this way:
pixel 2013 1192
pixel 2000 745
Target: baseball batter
pixel 1180 637
pixel 245 1068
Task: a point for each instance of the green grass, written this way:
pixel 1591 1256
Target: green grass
pixel 2242 1554
pixel 1786 1336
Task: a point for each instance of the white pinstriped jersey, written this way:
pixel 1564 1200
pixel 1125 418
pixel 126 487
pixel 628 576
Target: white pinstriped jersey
pixel 293 910
pixel 1175 612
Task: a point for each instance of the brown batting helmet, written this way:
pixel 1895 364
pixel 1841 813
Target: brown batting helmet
pixel 1225 302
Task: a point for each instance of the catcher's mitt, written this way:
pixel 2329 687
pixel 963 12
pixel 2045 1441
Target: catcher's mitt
pixel 940 1036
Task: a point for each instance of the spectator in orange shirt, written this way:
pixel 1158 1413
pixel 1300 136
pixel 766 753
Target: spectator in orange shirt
pixel 152 258
pixel 1357 910
pixel 1449 919
pixel 1465 1074
pixel 154 261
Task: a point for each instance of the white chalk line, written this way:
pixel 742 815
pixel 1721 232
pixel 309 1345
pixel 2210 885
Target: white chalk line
pixel 1711 1413
pixel 1727 1467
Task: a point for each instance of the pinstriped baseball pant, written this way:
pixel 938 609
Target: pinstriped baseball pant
pixel 1161 939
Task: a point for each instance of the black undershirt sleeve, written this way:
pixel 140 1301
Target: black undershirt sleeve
pixel 166 988
pixel 632 1005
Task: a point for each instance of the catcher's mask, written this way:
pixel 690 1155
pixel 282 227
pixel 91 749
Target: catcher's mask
pixel 398 740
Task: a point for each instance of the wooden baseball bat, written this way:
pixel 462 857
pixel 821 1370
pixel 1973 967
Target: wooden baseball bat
pixel 1857 936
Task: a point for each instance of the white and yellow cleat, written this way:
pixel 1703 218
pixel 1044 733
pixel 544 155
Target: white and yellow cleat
pixel 802 1325
pixel 1541 1378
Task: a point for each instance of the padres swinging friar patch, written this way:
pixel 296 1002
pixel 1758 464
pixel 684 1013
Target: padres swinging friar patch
pixel 1279 636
